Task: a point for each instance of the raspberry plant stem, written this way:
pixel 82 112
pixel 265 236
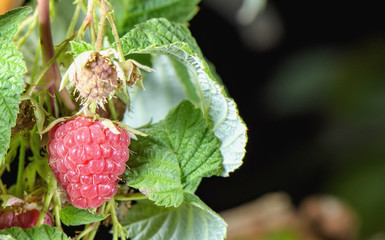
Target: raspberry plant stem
pixel 87 20
pixel 3 189
pixel 103 13
pixel 31 23
pixel 56 209
pixel 111 105
pixel 52 76
pixel 92 27
pixel 92 227
pixel 42 74
pixel 52 185
pixel 74 18
pixel 130 197
pixel 20 171
pixel 117 229
pixel 35 67
pixel 86 231
pixel 110 18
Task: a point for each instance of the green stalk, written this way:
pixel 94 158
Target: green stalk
pixel 74 19
pixel 3 189
pixel 116 36
pixel 46 100
pixel 47 66
pixel 52 185
pixel 130 197
pixel 92 27
pixel 103 13
pixel 114 115
pixel 94 228
pixel 35 66
pixel 20 171
pixel 86 230
pixel 87 19
pixel 31 27
pixel 117 229
pixel 56 210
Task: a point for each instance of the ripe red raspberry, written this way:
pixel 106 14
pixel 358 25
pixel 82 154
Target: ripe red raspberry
pixel 86 159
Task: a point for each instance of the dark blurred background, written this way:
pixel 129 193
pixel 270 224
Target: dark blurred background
pixel 309 81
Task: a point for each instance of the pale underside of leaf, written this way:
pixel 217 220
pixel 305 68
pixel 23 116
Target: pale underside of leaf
pixel 159 36
pixel 163 92
pixel 226 123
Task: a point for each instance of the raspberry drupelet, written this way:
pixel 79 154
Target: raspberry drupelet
pixel 86 159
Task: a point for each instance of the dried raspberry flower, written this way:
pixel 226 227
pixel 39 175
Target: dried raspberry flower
pixel 96 75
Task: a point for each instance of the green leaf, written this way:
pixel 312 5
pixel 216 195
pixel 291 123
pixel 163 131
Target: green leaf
pixel 36 233
pixel 80 47
pixel 38 165
pixel 179 151
pixel 159 36
pixel 157 32
pixel 72 216
pixel 131 12
pixel 191 220
pixel 12 68
pixel 9 22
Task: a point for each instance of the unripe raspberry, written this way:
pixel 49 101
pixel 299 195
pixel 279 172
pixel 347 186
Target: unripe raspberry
pixel 86 159
pixel 97 79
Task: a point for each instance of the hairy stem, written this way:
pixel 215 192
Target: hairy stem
pixel 92 27
pixel 103 14
pixel 52 76
pixel 110 18
pixel 20 171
